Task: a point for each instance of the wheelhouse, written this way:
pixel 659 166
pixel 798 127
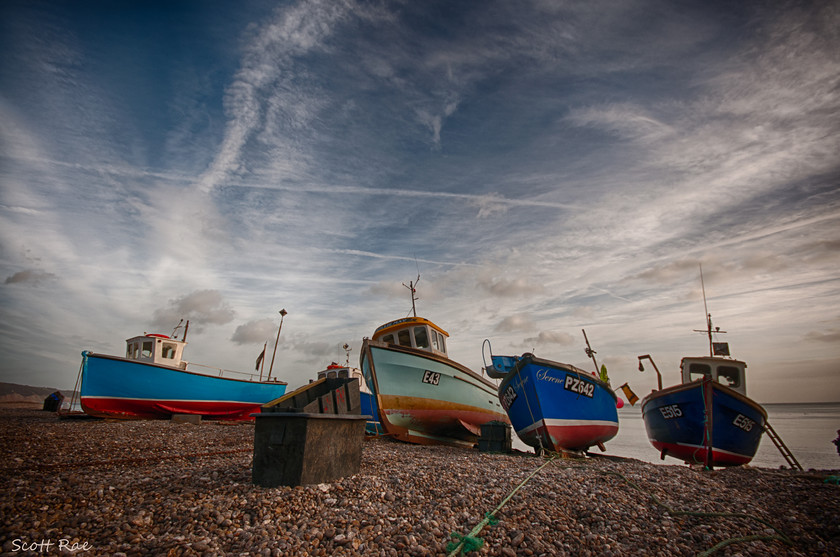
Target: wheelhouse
pixel 730 373
pixel 336 371
pixel 156 349
pixel 413 332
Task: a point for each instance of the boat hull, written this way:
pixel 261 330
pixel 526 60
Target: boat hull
pixel 558 407
pixel 114 387
pixel 675 422
pixel 426 398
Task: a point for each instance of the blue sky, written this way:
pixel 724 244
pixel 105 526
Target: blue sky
pixel 546 166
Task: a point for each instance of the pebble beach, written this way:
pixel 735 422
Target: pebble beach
pixel 95 487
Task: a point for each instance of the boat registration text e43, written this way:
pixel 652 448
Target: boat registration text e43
pixel 431 377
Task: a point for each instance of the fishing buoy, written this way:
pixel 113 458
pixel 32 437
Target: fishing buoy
pixel 619 403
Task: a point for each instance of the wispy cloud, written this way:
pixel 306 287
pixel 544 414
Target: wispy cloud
pixel 550 339
pixel 255 332
pixel 201 307
pixel 30 276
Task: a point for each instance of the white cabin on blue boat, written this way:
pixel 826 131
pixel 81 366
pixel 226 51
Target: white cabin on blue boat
pixel 729 373
pixel 156 349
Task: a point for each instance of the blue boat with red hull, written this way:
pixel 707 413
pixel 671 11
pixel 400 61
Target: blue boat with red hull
pixel 554 406
pixel 708 418
pixel 153 382
pixel 704 421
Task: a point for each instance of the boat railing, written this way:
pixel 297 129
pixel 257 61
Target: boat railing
pixel 224 372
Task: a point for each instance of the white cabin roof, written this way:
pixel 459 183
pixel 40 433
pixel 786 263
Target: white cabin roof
pixel 156 349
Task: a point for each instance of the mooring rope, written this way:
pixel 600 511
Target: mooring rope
pixel 470 542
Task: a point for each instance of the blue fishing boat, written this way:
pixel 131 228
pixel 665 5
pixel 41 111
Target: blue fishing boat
pixel 554 406
pixel 707 418
pixel 152 381
pixel 422 395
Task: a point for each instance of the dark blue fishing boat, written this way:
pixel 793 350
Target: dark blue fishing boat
pixel 554 406
pixel 707 418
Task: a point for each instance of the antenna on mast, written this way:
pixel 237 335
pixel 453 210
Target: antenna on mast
pixel 347 350
pixel 708 330
pixel 412 286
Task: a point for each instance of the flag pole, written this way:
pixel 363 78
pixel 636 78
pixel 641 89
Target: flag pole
pixel 283 313
pixel 262 359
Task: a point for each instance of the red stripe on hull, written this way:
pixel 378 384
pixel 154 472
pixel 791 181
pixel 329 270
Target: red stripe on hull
pixel 697 455
pixel 133 409
pixel 572 437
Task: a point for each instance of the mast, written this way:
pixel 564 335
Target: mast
pixel 412 287
pixel 706 309
pixel 283 313
pixel 591 353
pixel 174 334
pixel 262 359
pixel 708 330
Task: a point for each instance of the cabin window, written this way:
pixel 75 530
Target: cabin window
pixel 442 343
pixel 435 344
pixel 699 371
pixel 420 337
pixel 729 376
pixel 389 339
pixel 146 352
pixel 404 337
pixel 330 374
pixel 168 351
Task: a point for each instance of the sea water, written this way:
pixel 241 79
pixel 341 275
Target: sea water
pixel 806 429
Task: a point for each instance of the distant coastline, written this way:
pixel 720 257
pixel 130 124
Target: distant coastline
pixel 13 395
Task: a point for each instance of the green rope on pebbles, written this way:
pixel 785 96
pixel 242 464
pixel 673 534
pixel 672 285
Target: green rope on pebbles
pixel 471 542
pixel 464 544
